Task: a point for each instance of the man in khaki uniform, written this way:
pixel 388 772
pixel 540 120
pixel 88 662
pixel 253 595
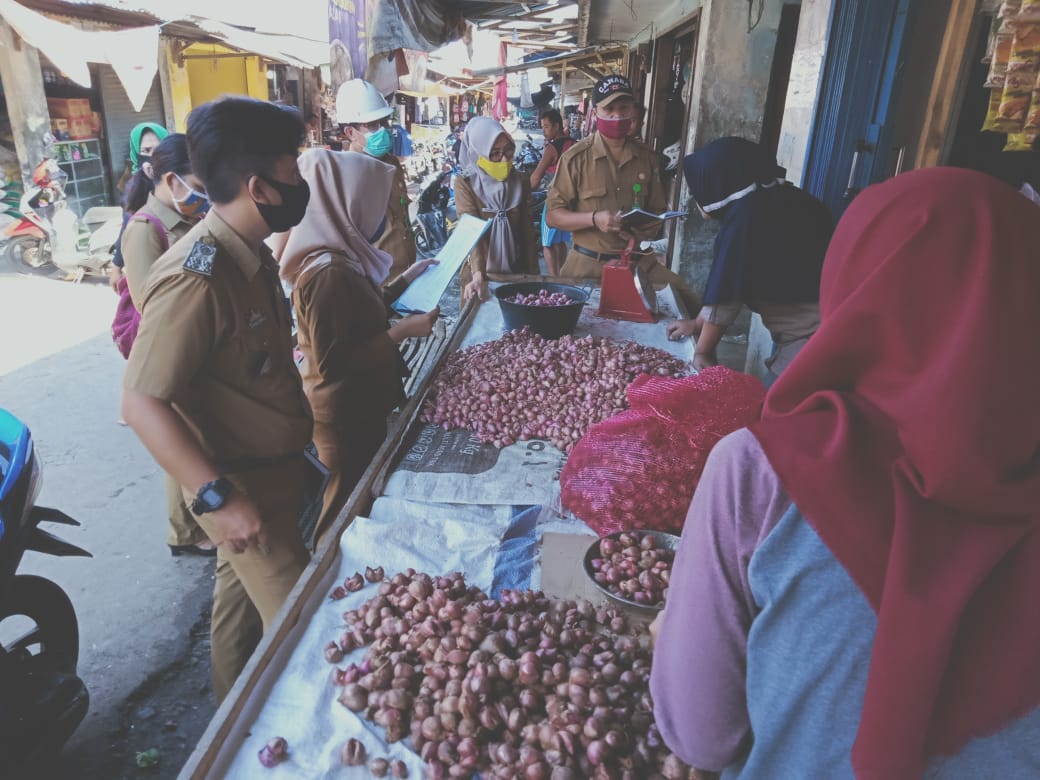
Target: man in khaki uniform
pixel 601 177
pixel 364 116
pixel 211 388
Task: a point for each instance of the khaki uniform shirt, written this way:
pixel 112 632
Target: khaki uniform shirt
pixel 219 348
pixel 352 369
pixel 587 179
pixel 142 245
pixel 467 202
pixel 398 240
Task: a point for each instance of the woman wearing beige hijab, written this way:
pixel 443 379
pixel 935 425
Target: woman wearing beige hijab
pixel 490 188
pixel 352 368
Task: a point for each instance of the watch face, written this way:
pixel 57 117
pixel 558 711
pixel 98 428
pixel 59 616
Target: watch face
pixel 212 497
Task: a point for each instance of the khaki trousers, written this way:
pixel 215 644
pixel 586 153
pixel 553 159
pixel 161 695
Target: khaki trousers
pixel 251 586
pixel 584 267
pixel 183 528
pixel 346 451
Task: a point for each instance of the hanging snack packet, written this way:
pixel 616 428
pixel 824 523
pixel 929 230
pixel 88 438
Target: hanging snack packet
pixel 991 112
pixel 1023 67
pixel 1001 54
pixel 1009 9
pixel 1028 12
pixel 1033 117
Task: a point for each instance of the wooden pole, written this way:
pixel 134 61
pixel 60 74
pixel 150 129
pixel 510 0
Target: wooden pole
pixel 563 86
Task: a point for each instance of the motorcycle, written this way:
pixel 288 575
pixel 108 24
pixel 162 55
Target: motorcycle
pixel 435 217
pixel 49 235
pixel 528 156
pixel 42 700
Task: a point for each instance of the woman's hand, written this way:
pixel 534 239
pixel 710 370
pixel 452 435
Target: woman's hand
pixel 703 360
pixel 680 329
pixel 417 326
pixel 416 269
pixel 477 288
pixel 115 273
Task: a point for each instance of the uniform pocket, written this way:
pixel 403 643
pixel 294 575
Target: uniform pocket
pixel 593 197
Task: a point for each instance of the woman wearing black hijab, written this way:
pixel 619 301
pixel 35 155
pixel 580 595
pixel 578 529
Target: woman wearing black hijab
pixel 768 254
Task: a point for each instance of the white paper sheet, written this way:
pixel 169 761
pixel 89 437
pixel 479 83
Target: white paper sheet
pixel 426 291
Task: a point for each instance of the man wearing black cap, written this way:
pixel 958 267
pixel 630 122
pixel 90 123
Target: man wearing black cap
pixel 603 176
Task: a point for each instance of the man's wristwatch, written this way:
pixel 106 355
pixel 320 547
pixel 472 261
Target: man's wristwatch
pixel 212 496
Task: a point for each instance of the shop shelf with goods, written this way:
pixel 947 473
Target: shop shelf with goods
pixel 86 186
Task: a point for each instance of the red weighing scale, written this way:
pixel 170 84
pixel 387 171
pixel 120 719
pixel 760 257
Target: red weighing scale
pixel 625 290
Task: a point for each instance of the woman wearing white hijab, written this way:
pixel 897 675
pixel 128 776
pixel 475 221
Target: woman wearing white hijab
pixel 352 368
pixel 489 188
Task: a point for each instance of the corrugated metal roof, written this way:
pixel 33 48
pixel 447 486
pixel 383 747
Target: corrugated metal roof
pixel 534 25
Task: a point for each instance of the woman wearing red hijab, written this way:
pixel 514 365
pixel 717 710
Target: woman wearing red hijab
pixel 856 590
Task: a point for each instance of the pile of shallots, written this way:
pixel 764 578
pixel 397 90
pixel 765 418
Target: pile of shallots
pixel 633 566
pixel 523 386
pixel 525 687
pixel 542 298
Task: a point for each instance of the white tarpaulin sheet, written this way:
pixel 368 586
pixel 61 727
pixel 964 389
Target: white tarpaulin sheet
pixel 454 467
pixel 495 547
pixel 133 54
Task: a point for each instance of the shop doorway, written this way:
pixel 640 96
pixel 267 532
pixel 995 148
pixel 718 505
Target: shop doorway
pixel 671 88
pixel 851 146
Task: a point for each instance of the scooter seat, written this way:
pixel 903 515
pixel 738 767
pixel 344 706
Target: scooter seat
pixel 97 215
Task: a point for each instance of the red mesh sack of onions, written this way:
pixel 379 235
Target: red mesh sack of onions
pixel 638 470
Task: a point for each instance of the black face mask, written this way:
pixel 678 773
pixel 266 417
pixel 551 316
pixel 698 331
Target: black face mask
pixel 289 213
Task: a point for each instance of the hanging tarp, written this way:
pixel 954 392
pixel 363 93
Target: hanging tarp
pixel 290 49
pixel 133 53
pixel 348 39
pixel 409 24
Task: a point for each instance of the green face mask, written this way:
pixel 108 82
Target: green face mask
pixel 499 171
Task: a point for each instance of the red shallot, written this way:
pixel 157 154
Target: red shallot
pixel 274 752
pixel 542 298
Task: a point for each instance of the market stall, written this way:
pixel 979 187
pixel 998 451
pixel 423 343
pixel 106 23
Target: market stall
pixel 433 501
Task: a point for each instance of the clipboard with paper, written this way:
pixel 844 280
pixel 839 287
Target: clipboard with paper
pixel 425 292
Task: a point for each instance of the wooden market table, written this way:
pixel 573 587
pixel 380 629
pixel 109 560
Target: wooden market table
pixel 230 727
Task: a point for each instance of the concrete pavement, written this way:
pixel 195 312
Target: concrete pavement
pixel 137 606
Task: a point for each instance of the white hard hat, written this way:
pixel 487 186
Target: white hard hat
pixel 358 102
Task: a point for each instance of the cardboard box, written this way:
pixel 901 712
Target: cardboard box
pixel 95 123
pixel 59 126
pixel 68 108
pixel 80 128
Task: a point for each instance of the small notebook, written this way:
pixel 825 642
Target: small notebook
pixel 425 292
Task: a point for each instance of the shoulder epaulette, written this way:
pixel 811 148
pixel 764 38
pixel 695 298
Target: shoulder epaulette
pixel 202 257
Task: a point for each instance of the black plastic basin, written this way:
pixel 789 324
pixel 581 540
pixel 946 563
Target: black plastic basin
pixel 550 322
